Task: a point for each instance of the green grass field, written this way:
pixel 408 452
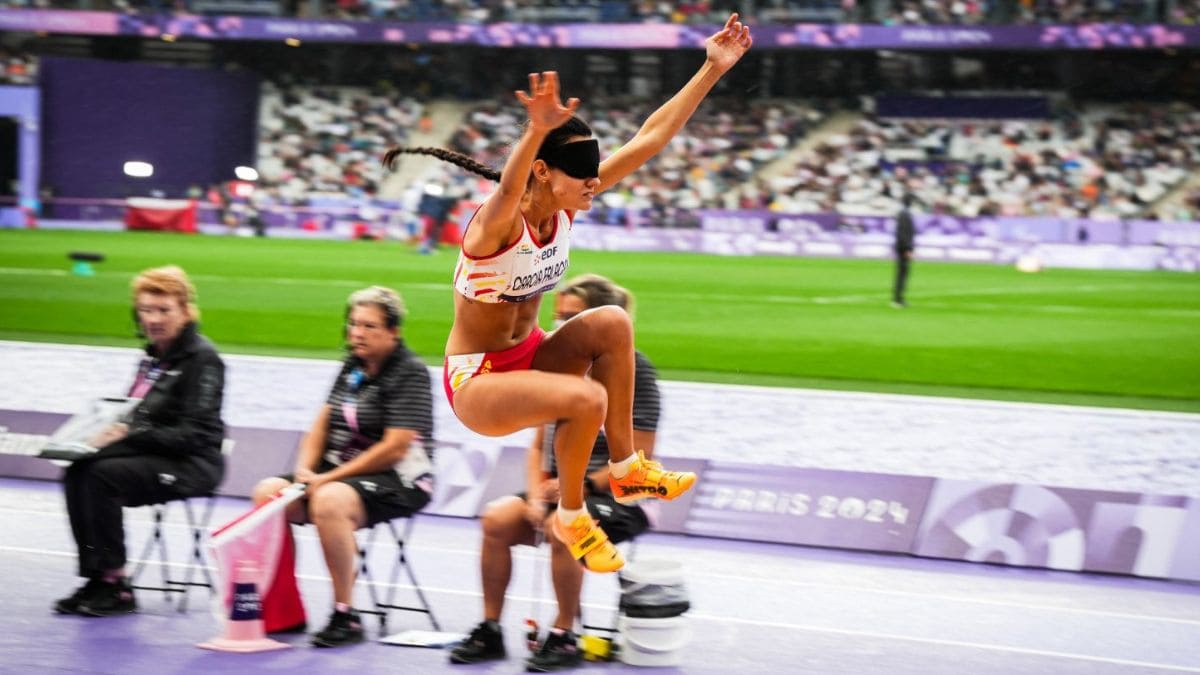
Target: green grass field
pixel 1129 339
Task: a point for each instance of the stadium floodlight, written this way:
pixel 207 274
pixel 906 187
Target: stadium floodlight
pixel 245 173
pixel 139 169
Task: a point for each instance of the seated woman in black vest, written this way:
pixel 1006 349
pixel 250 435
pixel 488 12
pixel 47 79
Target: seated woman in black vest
pixel 366 457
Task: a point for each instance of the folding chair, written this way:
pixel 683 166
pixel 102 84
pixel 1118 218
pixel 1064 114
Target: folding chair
pixel 366 542
pixel 198 524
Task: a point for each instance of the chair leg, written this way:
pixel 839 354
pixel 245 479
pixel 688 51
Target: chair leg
pixel 156 542
pixel 364 575
pixel 145 556
pixel 196 560
pixel 198 549
pixel 402 563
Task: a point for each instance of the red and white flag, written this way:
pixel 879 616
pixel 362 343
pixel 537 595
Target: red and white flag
pixel 262 537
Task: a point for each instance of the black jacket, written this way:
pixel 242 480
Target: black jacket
pixel 180 417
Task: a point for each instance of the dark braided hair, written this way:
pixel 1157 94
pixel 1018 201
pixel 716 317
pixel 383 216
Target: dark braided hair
pixel 572 128
pixel 456 158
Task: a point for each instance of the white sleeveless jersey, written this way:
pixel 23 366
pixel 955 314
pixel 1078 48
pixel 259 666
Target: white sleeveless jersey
pixel 520 272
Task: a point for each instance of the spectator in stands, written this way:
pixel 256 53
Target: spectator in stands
pixel 525 518
pixel 366 457
pixel 169 448
pixel 440 197
pixel 903 248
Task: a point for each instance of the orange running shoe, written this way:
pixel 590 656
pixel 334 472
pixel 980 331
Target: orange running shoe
pixel 647 479
pixel 588 544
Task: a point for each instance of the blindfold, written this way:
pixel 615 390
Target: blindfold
pixel 580 159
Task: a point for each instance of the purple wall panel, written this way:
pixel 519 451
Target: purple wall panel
pixel 1022 525
pixel 194 126
pixel 973 107
pixel 1186 564
pixel 816 507
pixel 1060 528
pixel 257 453
pixel 28 422
pixel 23 103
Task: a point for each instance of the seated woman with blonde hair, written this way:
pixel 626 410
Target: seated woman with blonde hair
pixel 169 448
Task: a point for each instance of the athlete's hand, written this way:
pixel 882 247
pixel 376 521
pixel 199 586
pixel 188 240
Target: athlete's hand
pixel 725 47
pixel 542 102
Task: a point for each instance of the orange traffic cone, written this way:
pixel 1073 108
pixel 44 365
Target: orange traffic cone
pixel 244 628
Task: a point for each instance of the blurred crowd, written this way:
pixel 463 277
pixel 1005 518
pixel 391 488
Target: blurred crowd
pixel 712 163
pixel 326 141
pixel 1100 163
pixel 17 67
pixel 888 12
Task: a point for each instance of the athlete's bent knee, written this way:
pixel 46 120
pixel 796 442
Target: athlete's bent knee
pixel 613 321
pixel 587 401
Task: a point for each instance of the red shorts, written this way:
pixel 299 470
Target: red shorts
pixel 458 369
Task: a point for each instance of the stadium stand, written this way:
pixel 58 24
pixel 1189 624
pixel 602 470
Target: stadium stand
pixel 326 141
pixel 887 12
pixel 17 67
pixel 1102 163
pixel 711 164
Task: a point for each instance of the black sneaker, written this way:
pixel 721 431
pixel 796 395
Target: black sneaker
pixel 560 651
pixel 70 604
pixel 345 628
pixel 108 599
pixel 485 643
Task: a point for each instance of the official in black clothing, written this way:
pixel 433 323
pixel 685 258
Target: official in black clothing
pixel 367 456
pixel 170 448
pixel 905 236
